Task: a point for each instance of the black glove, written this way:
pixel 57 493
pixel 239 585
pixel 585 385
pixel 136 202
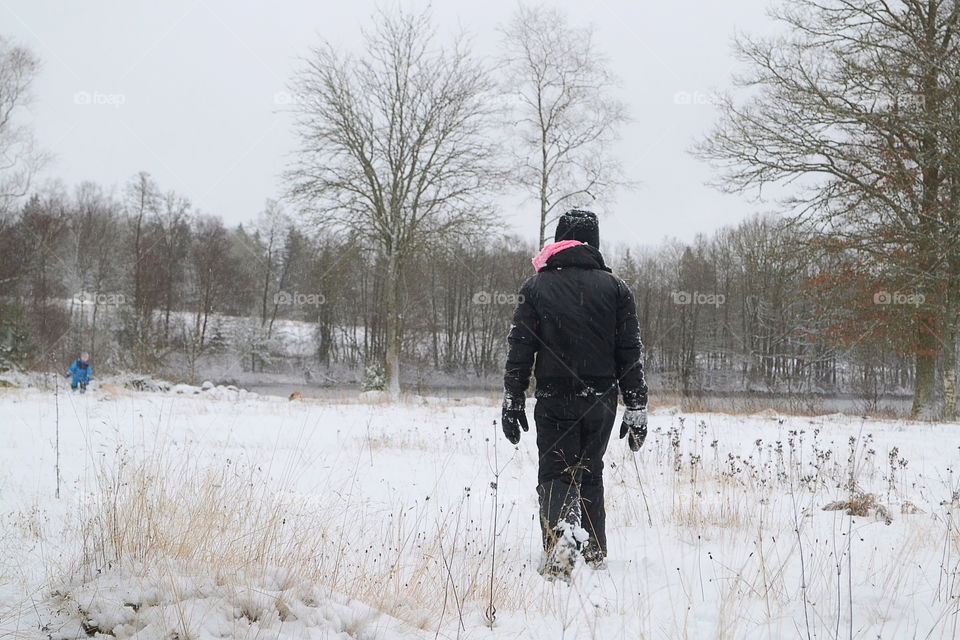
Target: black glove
pixel 634 423
pixel 514 416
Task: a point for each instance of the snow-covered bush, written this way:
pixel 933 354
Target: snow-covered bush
pixel 374 377
pixel 15 345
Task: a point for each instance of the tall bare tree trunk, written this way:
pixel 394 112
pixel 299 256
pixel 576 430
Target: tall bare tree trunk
pixel 950 356
pixel 392 321
pixel 925 378
pixel 950 376
pixel 544 186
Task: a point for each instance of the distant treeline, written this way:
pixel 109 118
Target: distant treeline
pixel 145 282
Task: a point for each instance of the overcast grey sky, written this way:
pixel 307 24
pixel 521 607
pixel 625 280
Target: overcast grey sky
pixel 187 90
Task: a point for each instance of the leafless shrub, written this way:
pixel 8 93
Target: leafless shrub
pixel 861 505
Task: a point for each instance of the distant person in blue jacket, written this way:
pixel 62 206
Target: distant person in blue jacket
pixel 81 371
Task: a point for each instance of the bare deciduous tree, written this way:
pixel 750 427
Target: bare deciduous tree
pixel 142 196
pixel 97 216
pixel 20 157
pixel 566 117
pixel 213 269
pixel 171 229
pixel 856 103
pixel 394 146
pixel 272 227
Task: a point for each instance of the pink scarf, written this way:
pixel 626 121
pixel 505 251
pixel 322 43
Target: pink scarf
pixel 540 260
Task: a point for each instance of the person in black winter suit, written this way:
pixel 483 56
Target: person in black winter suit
pixel 576 327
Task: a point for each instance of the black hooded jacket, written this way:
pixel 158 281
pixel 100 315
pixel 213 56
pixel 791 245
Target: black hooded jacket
pixel 579 322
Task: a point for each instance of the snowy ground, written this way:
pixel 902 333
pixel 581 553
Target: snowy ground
pixel 215 515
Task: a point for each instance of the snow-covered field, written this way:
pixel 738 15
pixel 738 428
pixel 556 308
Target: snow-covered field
pixel 212 515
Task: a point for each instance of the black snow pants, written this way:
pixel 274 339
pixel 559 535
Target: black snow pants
pixel 572 435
